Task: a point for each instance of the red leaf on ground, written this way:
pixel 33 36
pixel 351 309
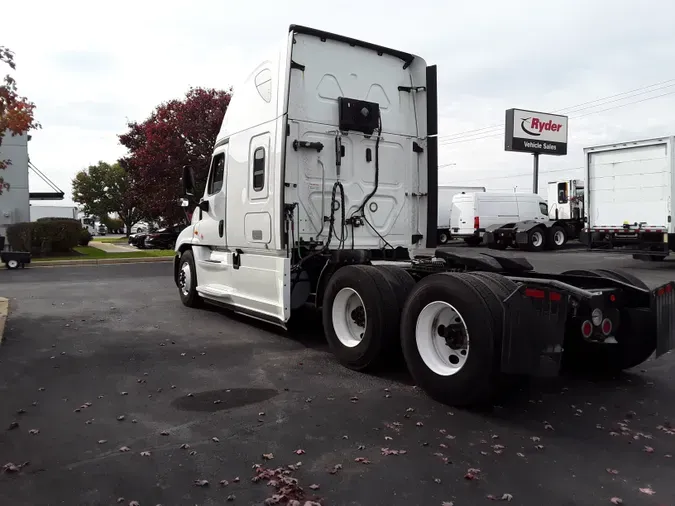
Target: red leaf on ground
pixel 336 469
pixel 314 486
pixel 647 490
pixel 648 449
pixel 503 497
pixel 616 500
pixel 224 483
pixel 612 471
pixel 362 460
pixel 268 456
pixel 472 474
pixel 299 452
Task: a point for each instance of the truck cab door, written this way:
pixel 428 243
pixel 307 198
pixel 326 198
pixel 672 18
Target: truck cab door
pixel 210 239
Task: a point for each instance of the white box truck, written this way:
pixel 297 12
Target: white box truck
pixel 445 195
pixel 39 211
pixel 629 197
pixel 326 168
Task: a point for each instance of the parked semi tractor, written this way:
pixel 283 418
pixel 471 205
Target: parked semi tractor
pixel 629 197
pixel 445 196
pixel 319 179
pixel 563 221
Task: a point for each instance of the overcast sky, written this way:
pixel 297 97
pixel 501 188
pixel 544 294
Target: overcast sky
pixel 90 66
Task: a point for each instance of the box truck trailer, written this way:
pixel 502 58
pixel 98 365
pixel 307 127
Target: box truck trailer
pixel 324 170
pixel 629 197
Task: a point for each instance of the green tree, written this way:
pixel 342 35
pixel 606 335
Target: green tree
pixel 103 188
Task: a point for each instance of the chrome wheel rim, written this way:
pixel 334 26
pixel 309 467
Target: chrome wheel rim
pixel 185 279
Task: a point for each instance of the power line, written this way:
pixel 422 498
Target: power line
pixel 520 174
pixel 461 140
pixel 575 108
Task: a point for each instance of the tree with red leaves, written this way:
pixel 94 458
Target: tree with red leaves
pixel 16 112
pixel 178 133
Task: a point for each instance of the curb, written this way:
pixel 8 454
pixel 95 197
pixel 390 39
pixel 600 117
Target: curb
pixel 4 311
pixel 102 261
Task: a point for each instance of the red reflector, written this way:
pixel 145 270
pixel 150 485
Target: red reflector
pixel 669 288
pixel 476 222
pixel 587 328
pixel 606 326
pixel 534 293
pixel 612 298
pixel 661 291
pixel 554 296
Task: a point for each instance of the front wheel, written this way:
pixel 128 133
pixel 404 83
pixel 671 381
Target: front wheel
pixel 12 264
pixel 187 281
pixel 536 240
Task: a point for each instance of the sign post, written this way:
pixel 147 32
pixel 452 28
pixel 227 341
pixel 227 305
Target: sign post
pixel 536 133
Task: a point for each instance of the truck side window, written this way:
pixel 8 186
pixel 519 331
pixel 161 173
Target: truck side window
pixel 543 207
pixel 217 174
pixel 562 193
pixel 259 169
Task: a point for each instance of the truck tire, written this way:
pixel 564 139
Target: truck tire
pixel 500 244
pixel 631 348
pixel 536 239
pixel 187 281
pixel 357 320
pixel 473 241
pixel 469 373
pixel 443 237
pixel 557 237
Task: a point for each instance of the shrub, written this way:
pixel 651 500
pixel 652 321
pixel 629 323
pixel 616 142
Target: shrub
pixel 45 236
pixel 85 237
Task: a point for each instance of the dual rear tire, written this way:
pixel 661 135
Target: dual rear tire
pixel 448 327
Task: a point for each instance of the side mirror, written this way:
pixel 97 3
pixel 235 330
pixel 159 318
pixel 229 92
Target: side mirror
pixel 188 181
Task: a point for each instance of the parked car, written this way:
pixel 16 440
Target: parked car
pixel 164 238
pixel 138 239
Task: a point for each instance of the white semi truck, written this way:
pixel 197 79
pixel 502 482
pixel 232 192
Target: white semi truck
pixel 324 171
pixel 445 194
pixel 629 197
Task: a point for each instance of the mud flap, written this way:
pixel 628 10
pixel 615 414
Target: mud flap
pixel 663 308
pixel 534 331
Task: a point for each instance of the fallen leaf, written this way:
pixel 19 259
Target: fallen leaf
pixel 472 474
pixel 21 412
pixel 268 456
pixel 201 483
pixel 134 503
pixel 548 426
pixel 647 490
pixel 164 433
pixel 224 483
pixel 236 480
pixel 193 453
pixel 539 447
pixel 612 471
pixel 120 500
pixel 648 449
pixel 536 439
pixel 145 454
pixel 13 425
pixel 354 399
pixel 314 486
pixel 125 449
pixel 616 500
pixel 419 424
pixel 41 389
pixel 410 410
pixel 362 460
pixel 184 446
pixel 231 497
pixel 262 413
pixel 217 401
pixel 34 432
pixel 447 503
pixel 361 447
pixel 437 480
pixel 494 436
pixel 124 393
pixel 299 452
pixel 336 468
pixel 120 418
pixel 10 468
pixel 612 433
pixel 520 454
pixel 215 440
pixel 503 497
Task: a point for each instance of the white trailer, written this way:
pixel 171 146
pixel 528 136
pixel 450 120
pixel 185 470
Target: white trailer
pixel 445 194
pixel 325 166
pixel 629 197
pixel 40 211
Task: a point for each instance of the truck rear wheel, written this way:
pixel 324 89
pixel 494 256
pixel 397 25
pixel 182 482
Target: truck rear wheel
pixel 443 237
pixel 448 338
pixel 557 237
pixel 357 320
pixel 634 345
pixel 536 239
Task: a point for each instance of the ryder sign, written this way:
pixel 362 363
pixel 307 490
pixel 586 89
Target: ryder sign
pixel 535 132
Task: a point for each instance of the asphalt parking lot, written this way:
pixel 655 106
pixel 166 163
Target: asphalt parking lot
pixel 113 392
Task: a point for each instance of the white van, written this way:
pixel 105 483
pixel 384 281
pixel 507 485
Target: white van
pixel 472 213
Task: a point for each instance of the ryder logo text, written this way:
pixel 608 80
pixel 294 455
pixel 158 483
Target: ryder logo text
pixel 534 126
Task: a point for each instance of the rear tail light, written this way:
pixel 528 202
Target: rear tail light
pixel 606 326
pixel 476 222
pixel 586 329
